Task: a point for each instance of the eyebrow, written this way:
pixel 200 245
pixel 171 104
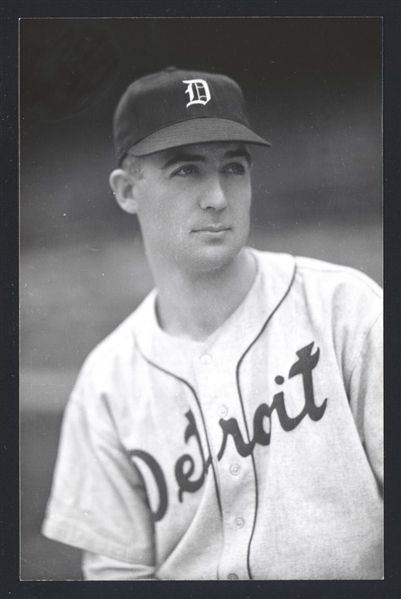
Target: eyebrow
pixel 240 153
pixel 188 157
pixel 177 158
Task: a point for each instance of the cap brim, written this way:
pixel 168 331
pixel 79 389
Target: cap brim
pixel 193 131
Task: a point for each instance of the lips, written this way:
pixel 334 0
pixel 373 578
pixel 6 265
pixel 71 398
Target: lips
pixel 212 228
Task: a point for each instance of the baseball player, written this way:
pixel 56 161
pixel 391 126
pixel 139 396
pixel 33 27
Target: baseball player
pixel 231 427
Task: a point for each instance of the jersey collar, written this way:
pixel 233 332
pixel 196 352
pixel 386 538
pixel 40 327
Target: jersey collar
pixel 275 273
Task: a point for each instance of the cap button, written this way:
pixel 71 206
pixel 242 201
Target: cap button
pixel 170 68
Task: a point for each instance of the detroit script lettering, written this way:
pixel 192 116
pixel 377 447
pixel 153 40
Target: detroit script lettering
pixel 185 465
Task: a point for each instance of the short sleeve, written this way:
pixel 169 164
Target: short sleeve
pixel 99 567
pixel 366 396
pixel 98 501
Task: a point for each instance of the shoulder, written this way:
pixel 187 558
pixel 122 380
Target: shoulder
pixel 110 358
pixel 310 271
pixel 345 291
pixel 337 275
pixel 345 302
pixel 324 290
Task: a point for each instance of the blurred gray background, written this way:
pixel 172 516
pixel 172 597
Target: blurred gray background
pixel 314 90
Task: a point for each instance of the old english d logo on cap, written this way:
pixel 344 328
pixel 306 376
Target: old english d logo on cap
pixel 198 91
pixel 178 107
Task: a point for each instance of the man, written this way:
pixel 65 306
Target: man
pixel 230 428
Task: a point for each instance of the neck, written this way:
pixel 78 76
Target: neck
pixel 194 306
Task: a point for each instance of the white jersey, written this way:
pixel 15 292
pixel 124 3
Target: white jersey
pixel 256 454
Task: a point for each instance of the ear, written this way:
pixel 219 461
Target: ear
pixel 122 184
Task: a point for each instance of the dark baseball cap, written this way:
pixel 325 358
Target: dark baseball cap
pixel 179 107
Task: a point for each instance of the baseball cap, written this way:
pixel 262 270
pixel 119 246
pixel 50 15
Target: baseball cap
pixel 177 107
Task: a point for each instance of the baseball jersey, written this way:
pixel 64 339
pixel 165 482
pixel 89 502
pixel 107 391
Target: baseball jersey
pixel 256 454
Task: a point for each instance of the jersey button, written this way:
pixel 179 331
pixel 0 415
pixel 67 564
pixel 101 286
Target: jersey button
pixel 206 359
pixel 222 411
pixel 234 469
pixel 232 576
pixel 239 522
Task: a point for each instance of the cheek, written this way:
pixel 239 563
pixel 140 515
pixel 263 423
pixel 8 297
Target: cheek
pixel 241 198
pixel 159 217
pixel 151 206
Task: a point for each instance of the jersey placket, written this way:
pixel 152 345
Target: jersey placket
pixel 219 400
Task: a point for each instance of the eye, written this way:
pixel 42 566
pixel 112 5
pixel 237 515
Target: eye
pixel 185 170
pixel 235 168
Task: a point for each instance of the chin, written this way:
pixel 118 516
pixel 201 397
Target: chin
pixel 212 258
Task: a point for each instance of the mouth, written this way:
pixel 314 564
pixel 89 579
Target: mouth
pixel 212 229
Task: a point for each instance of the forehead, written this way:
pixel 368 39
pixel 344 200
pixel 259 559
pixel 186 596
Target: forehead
pixel 211 151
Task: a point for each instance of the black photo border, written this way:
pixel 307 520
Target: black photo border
pixel 11 587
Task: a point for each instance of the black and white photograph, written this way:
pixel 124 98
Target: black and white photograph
pixel 201 360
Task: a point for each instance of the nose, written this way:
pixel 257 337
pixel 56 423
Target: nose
pixel 213 195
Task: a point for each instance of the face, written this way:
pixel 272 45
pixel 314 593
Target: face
pixel 193 205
